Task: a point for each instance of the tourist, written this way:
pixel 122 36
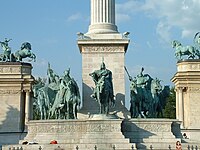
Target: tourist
pixel 178 145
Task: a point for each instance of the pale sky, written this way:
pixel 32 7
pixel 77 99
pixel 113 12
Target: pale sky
pixel 51 27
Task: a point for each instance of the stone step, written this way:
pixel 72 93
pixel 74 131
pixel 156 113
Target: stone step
pixel 83 141
pixel 125 141
pixel 72 146
pixel 156 146
pixel 153 140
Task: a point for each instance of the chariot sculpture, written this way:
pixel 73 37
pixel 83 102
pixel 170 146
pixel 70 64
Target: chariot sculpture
pixel 24 52
pixel 190 51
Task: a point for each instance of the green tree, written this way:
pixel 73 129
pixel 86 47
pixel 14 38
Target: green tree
pixel 170 108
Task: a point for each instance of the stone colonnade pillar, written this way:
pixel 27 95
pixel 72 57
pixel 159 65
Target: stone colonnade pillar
pixel 180 106
pixel 28 106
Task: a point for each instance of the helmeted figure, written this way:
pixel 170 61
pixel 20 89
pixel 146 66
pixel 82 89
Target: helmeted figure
pixel 103 75
pixel 143 85
pixel 103 87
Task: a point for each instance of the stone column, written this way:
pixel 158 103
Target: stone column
pixel 27 106
pixel 102 16
pixel 177 103
pixel 180 103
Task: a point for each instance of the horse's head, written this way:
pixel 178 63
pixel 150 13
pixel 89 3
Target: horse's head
pixel 166 91
pixel 94 76
pixel 175 44
pixel 133 85
pixel 156 85
pixel 26 45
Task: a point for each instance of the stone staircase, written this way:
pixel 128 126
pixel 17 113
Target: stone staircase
pixel 160 134
pixel 102 134
pixel 75 135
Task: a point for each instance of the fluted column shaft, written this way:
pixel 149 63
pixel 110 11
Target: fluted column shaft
pixel 102 11
pixel 27 106
pixel 102 16
pixel 180 103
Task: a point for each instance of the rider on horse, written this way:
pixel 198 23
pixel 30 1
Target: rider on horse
pixel 103 75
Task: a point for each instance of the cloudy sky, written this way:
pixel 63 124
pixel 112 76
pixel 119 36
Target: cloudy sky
pixel 51 27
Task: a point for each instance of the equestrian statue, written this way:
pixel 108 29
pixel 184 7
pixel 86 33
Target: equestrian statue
pixel 146 96
pixel 103 91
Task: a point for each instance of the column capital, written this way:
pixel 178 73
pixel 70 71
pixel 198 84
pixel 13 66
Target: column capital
pixel 180 88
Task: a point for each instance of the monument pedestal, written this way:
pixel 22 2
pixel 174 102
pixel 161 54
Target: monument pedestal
pixel 95 49
pixel 86 134
pixel 187 86
pixel 15 88
pixel 103 134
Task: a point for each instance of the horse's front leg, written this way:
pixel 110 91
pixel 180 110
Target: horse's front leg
pixel 107 109
pixel 67 110
pixel 100 108
pixel 74 111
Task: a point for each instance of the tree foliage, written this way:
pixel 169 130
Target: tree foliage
pixel 170 108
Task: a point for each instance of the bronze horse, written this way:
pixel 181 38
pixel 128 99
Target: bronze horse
pixel 24 53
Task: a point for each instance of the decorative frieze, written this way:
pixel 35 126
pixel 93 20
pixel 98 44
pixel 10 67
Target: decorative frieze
pixel 155 127
pixel 11 70
pixel 65 128
pixel 147 126
pixel 62 128
pixel 194 89
pixel 103 128
pixel 188 67
pixel 9 92
pixel 94 49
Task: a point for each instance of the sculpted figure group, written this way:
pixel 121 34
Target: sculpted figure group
pixel 57 99
pixel 147 96
pixel 190 51
pixel 24 52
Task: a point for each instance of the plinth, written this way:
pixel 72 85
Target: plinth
pixel 70 134
pixel 15 88
pixel 187 86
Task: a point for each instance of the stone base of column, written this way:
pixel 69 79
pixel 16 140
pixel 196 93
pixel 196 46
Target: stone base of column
pixel 102 28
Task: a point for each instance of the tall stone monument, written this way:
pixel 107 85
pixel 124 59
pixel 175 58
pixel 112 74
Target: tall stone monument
pixel 103 41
